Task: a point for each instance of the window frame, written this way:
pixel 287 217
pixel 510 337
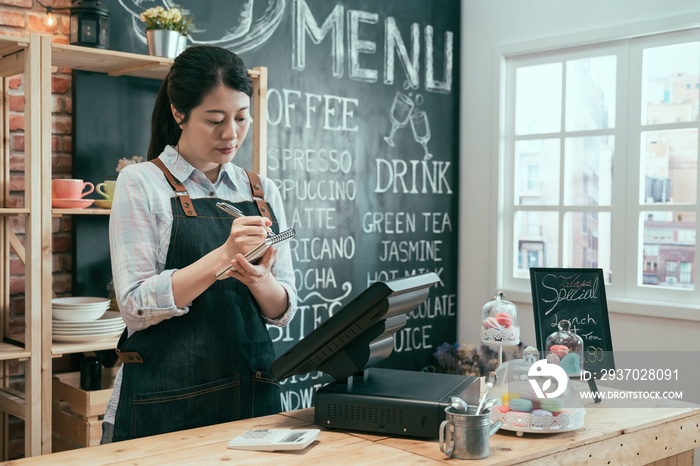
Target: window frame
pixel 624 294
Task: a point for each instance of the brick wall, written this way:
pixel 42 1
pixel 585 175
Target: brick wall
pixel 19 18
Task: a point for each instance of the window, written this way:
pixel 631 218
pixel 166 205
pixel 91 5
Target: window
pixel 601 164
pixel 686 272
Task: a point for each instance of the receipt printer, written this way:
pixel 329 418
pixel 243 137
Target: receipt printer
pixel 388 401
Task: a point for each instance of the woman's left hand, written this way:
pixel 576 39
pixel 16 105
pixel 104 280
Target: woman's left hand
pixel 251 274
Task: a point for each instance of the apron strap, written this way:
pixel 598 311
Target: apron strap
pixel 258 196
pixel 178 187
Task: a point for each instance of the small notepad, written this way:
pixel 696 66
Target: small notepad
pixel 257 252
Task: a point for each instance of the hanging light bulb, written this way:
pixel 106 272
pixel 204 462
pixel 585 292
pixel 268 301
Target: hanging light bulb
pixel 50 19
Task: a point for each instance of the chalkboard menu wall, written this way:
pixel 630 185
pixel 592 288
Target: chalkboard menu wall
pixel 362 142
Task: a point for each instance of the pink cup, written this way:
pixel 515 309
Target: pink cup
pixel 70 188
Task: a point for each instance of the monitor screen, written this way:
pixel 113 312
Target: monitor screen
pixel 360 334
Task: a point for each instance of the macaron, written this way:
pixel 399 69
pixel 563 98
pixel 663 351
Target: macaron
pixel 540 412
pixel 559 350
pixel 506 397
pixel 553 405
pixel 520 404
pixel 491 322
pixel 502 409
pixel 529 394
pixel 504 319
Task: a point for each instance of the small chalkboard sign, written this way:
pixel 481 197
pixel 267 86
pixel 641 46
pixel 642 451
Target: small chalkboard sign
pixel 577 295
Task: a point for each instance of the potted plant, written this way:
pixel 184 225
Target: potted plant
pixel 166 31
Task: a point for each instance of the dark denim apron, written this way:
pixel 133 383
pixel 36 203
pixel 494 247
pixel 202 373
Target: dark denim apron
pixel 208 366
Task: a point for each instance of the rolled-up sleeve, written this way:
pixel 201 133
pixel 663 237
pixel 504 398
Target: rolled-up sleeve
pixel 142 285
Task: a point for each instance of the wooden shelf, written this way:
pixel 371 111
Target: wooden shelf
pixel 88 211
pixel 12 55
pixel 114 63
pixel 10 45
pixel 14 211
pixel 59 349
pixel 12 351
pixel 109 61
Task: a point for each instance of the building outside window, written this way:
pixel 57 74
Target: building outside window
pixel 601 163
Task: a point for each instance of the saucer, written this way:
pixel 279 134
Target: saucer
pixel 71 203
pixel 104 203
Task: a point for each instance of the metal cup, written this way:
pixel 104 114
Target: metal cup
pixel 466 436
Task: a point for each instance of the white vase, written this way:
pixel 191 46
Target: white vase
pixel 163 43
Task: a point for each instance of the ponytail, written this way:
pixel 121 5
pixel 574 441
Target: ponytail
pixel 164 130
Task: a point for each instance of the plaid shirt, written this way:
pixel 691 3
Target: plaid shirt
pixel 139 238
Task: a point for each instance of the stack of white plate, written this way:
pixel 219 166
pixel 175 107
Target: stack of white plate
pixel 110 325
pixel 80 319
pixel 79 309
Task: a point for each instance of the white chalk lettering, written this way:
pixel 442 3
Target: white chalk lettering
pixel 308 249
pixel 393 174
pixel 410 339
pixel 313 217
pixel 336 112
pixel 301 399
pixel 313 375
pixel 384 275
pixel 444 86
pixel 296 330
pixel 436 270
pixel 389 222
pixel 568 290
pixel 437 222
pixel 356 46
pixel 408 251
pixel 436 306
pixel 304 23
pixel 394 41
pixel 310 160
pixel 381 276
pixel 322 190
pixel 315 279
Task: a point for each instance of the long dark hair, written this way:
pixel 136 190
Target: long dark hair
pixel 195 73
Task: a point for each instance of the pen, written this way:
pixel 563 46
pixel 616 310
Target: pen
pixel 229 209
pixel 232 211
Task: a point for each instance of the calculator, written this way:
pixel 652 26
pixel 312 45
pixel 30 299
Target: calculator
pixel 274 439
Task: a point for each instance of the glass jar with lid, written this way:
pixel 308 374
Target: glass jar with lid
pixel 565 349
pixel 499 322
pixel 534 396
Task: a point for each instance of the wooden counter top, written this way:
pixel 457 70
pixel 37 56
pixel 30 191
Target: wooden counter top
pixel 614 435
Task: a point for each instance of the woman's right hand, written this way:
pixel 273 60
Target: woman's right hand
pixel 246 233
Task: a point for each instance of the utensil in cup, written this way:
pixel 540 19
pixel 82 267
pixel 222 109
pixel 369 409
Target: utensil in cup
pixel 488 404
pixel 466 436
pixel 459 404
pixel 489 382
pixel 70 188
pixel 106 189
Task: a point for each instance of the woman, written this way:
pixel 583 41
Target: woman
pixel 196 350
